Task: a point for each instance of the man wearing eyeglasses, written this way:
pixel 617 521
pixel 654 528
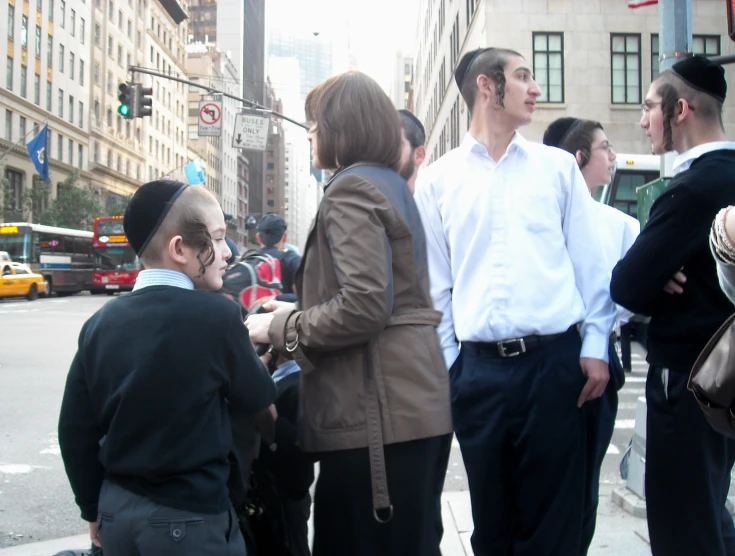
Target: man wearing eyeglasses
pixel 669 274
pixel 515 267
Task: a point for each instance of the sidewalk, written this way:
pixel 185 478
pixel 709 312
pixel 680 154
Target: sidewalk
pixel 617 531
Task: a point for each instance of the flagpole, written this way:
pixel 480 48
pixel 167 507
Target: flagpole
pixel 21 141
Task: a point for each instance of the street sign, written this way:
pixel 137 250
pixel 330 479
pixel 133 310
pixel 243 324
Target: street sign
pixel 251 132
pixel 210 118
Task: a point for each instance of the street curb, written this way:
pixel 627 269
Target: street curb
pixel 629 501
pixel 48 548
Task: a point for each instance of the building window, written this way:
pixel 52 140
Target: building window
pixel 61 104
pixel 23 129
pixel 73 29
pixel 140 39
pixel 81 72
pixel 119 19
pixel 625 58
pixel 8 124
pixel 51 9
pixel 62 54
pixel 109 117
pixel 38 41
pixel 111 10
pixel 96 73
pixel 23 81
pixel 48 96
pixel 9 74
pixel 119 55
pixel 548 65
pixel 24 31
pixel 37 89
pixel 130 30
pixel 119 163
pixel 109 82
pixel 109 158
pixel 81 114
pixel 97 111
pixel 15 180
pixel 71 66
pixel 11 22
pixel 71 109
pixel 97 32
pixel 60 147
pixel 96 151
pixel 110 45
pixel 82 32
pixel 71 152
pixel 706 45
pixel 80 155
pixel 50 53
pixel 63 13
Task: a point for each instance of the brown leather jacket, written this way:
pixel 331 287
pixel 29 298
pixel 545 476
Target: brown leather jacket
pixel 366 341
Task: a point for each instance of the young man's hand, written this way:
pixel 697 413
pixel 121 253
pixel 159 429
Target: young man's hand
pixel 598 374
pixel 93 535
pixel 674 285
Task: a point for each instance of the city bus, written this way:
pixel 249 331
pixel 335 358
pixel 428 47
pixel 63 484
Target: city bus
pixel 633 171
pixel 64 257
pixel 116 266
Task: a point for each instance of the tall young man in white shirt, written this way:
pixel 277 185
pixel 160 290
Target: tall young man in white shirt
pixel 516 267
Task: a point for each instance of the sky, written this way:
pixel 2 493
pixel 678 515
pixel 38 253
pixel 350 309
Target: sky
pixel 375 30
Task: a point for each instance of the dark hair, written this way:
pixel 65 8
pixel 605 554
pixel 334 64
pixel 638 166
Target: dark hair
pixel 186 219
pixel 670 87
pixel 355 122
pixel 488 61
pixel 577 137
pixel 413 128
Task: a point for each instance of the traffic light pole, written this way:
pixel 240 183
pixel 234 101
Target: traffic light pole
pixel 251 104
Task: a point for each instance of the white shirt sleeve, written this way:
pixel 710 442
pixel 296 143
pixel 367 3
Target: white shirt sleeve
pixel 590 271
pixel 440 265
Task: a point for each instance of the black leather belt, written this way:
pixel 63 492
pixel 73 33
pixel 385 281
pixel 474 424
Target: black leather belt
pixel 515 346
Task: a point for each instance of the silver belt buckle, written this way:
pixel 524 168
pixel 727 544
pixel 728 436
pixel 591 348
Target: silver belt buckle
pixel 503 349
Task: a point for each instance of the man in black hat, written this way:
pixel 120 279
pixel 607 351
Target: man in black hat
pixel 413 151
pixel 145 430
pixel 669 274
pixel 272 237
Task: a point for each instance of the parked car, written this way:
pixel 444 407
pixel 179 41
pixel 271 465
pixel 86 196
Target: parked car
pixel 17 280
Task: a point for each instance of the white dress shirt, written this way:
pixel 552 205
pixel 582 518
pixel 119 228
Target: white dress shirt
pixel 683 161
pixel 162 277
pixel 618 232
pixel 513 247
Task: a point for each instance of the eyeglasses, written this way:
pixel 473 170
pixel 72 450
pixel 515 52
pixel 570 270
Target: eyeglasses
pixel 604 147
pixel 646 107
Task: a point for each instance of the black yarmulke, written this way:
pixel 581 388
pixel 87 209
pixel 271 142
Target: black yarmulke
pixel 147 209
pixel 464 65
pixel 703 75
pixel 558 130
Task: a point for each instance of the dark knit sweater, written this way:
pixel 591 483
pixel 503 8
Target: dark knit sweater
pixel 677 237
pixel 146 399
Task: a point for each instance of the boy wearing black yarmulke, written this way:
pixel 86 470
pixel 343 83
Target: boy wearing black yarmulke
pixel 144 429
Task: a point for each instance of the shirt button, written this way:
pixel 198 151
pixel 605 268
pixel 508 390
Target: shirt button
pixel 176 533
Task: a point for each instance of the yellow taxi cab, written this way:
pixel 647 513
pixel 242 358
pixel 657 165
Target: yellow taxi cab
pixel 17 280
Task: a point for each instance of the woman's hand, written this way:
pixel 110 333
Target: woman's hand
pixel 257 326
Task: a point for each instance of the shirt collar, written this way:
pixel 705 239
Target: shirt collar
pixel 471 145
pixel 288 368
pixel 162 277
pixel 685 159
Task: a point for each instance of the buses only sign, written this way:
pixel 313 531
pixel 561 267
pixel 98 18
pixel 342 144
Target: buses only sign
pixel 251 132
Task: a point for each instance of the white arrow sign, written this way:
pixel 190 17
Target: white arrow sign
pixel 210 118
pixel 251 132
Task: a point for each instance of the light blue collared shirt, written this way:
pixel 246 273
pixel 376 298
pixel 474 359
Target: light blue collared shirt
pixel 288 368
pixel 513 247
pixel 685 159
pixel 162 277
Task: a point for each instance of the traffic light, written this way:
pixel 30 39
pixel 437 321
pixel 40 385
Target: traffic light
pixel 125 96
pixel 731 19
pixel 143 101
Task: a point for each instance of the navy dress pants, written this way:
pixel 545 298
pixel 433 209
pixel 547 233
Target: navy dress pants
pixel 523 444
pixel 688 468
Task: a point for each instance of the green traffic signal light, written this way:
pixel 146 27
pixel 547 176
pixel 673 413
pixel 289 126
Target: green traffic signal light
pixel 125 97
pixel 123 110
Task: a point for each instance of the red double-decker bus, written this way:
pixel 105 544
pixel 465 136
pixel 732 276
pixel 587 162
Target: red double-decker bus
pixel 116 266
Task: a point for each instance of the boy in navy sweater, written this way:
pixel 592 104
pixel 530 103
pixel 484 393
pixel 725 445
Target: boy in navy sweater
pixel 145 429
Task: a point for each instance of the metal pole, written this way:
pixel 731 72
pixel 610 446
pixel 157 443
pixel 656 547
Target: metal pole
pixel 251 103
pixel 675 43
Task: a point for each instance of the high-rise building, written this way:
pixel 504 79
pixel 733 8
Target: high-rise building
pixel 275 154
pixel 117 149
pixel 401 86
pixel 47 80
pixel 592 59
pixel 203 21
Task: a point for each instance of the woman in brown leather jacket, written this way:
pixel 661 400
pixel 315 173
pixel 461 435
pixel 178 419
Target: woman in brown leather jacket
pixel 375 396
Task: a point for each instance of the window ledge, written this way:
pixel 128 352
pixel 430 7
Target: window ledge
pixel 551 105
pixel 626 107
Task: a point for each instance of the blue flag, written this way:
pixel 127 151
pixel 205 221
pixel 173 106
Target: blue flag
pixel 37 152
pixel 194 172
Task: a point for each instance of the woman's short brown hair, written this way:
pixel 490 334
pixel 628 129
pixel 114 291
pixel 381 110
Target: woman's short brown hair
pixel 355 122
